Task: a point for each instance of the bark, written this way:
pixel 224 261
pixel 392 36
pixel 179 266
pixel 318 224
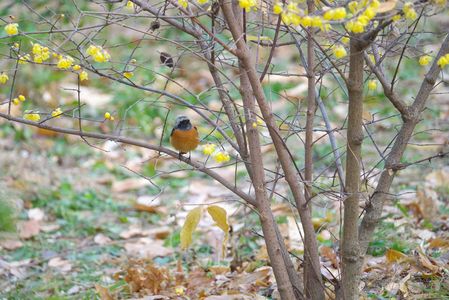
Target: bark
pixel 315 285
pixel 308 150
pixel 350 243
pixel 269 225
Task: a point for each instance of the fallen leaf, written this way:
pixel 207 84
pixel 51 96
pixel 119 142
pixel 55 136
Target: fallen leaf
pixel 49 227
pixel 101 239
pixel 60 264
pixel 129 184
pixel 426 263
pixel 147 248
pixel 11 244
pixel 28 229
pixel 103 292
pixel 394 256
pixel 329 253
pixel 428 202
pixel 132 231
pixel 386 6
pixel 439 243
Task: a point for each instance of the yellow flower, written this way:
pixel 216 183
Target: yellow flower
pixel 247 4
pixel 84 76
pixel 56 113
pixel 221 157
pixel 12 29
pixel 372 85
pixel 183 3
pixel 76 67
pixel 339 52
pixel 40 53
pixel 130 5
pixel 3 78
pixel 277 8
pixel 203 1
pixel 375 4
pixel 24 59
pixel 369 13
pixel 98 53
pixel 306 21
pixel 409 11
pixel 35 117
pixel 340 13
pixel 128 74
pixel 209 149
pixel 108 116
pixel 65 63
pixel 443 61
pixel 22 98
pixel 396 18
pixel 345 39
pixel 425 60
pixel 329 15
pixel 16 45
pixel 317 21
pixel 15 101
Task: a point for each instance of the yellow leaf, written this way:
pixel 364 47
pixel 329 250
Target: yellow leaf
pixel 192 220
pixel 394 255
pixel 386 6
pixel 218 214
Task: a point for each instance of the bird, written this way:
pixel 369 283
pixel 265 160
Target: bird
pixel 184 136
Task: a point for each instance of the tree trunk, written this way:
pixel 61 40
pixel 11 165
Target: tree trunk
pixel 350 243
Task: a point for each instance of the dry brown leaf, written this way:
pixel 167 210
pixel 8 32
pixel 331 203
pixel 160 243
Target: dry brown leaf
pixel 101 239
pixel 216 270
pixel 438 178
pixel 60 264
pixel 28 229
pixel 428 202
pixel 129 184
pixel 132 231
pixel 386 6
pixel 147 248
pixel 11 244
pixel 146 208
pixel 329 253
pixel 439 243
pixel 103 292
pixel 426 262
pixel 394 256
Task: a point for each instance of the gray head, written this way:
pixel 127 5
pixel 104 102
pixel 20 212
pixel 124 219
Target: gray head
pixel 183 123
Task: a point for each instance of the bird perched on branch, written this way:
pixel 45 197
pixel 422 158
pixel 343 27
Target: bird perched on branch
pixel 184 136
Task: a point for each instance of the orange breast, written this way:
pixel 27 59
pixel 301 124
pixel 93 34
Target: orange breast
pixel 185 140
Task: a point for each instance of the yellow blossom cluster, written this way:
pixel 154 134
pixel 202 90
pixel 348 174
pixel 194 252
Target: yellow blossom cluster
pixel 425 60
pixel 335 14
pixel 3 78
pixel 108 116
pixel 12 29
pixel 17 100
pixel 98 53
pixel 56 113
pixel 209 149
pixel 128 75
pixel 339 51
pixel 222 157
pixel 40 53
pixel 247 5
pixel 372 85
pixel 32 116
pixel 23 59
pixel 219 156
pixel 183 3
pixel 84 76
pixel 64 62
pixel 409 11
pixel 359 24
pixel 443 61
